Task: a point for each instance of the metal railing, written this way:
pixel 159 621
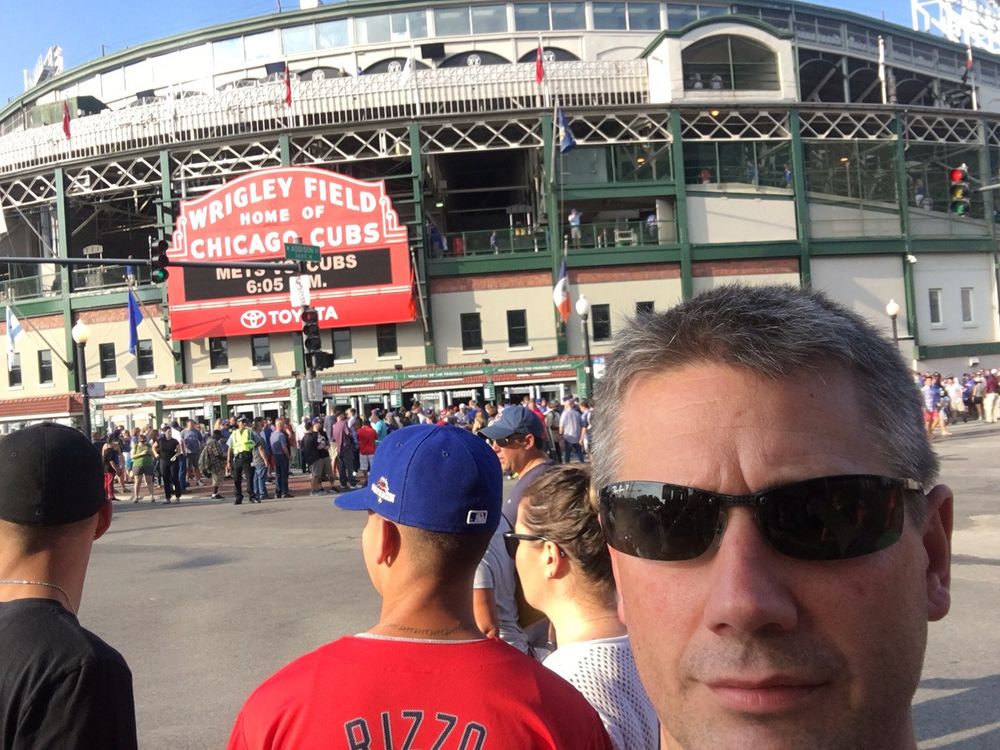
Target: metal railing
pixel 97 278
pixel 490 242
pixel 441 92
pixel 622 234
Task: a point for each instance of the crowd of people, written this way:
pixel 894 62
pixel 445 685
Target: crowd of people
pixel 765 582
pixel 974 395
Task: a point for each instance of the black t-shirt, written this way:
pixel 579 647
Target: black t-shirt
pixel 167 447
pixel 314 446
pixel 60 685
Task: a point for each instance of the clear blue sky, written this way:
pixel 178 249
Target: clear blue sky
pixel 81 27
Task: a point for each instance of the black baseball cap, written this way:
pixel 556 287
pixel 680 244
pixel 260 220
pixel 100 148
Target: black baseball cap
pixel 52 476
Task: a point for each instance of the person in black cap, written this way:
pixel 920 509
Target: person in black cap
pixel 60 685
pixel 518 438
pixel 424 675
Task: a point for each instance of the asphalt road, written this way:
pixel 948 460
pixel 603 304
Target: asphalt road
pixel 206 599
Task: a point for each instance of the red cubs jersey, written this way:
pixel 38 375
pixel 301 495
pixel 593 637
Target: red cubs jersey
pixel 379 694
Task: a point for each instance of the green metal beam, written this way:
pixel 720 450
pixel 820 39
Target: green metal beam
pixel 62 251
pixel 649 189
pixel 298 350
pixel 803 224
pixel 991 348
pixel 420 252
pixel 680 205
pixel 166 220
pixel 736 251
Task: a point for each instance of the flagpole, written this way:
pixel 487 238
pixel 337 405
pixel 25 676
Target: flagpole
pixel 972 77
pixel 881 67
pixel 147 315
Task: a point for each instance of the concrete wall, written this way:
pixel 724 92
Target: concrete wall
pixel 949 273
pixel 731 218
pixel 835 220
pixel 865 284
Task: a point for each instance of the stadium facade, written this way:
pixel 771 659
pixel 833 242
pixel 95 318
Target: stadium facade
pixel 699 144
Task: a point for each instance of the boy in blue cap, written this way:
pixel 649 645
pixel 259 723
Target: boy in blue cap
pixel 423 675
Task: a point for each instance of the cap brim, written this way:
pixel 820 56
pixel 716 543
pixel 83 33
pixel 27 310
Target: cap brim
pixel 361 499
pixel 495 432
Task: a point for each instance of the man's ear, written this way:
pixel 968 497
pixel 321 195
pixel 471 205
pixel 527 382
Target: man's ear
pixel 937 542
pixel 387 541
pixel 104 519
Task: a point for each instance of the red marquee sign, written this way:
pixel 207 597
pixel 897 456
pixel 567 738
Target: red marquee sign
pixel 363 276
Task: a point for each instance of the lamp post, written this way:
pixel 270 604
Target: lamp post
pixel 583 310
pixel 892 310
pixel 80 333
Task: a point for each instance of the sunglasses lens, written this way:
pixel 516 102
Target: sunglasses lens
pixel 658 521
pixel 834 518
pixel 511 542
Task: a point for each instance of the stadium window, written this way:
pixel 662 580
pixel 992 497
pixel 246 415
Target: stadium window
pixel 568 16
pixel 643 308
pixel 610 16
pixel 44 366
pixel 472 332
pixel 331 34
pixel 600 319
pixel 967 313
pixel 109 364
pixel 341 343
pixel 371 29
pixel 298 39
pixel 260 350
pixel 452 21
pixel 265 45
pixel 144 358
pixel 730 62
pixel 680 15
pixel 934 305
pixel 644 16
pixel 708 11
pixel 531 17
pixel 411 25
pixel 228 53
pixel 489 19
pixel 385 340
pixel 13 369
pixel 218 353
pixel 517 328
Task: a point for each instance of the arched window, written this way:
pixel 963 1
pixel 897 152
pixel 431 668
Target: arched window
pixel 727 62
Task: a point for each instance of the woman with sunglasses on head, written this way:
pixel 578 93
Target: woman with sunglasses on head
pixel 565 572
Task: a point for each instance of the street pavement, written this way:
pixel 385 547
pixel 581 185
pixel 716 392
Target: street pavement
pixel 206 599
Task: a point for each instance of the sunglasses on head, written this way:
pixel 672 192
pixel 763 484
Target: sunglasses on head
pixel 511 539
pixel 827 518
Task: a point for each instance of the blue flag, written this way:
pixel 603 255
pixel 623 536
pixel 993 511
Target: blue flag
pixel 134 319
pixel 566 140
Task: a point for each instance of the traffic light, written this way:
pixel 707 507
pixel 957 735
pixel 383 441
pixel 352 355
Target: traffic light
pixel 159 262
pixel 310 330
pixel 959 202
pixel 322 360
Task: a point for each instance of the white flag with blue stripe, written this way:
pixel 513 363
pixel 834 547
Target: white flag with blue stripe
pixel 13 331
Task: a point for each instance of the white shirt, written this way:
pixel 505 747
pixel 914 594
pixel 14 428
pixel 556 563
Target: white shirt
pixel 496 571
pixel 604 671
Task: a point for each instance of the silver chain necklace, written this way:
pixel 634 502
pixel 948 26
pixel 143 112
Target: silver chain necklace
pixel 46 584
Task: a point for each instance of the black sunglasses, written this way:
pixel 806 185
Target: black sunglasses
pixel 505 441
pixel 511 539
pixel 827 518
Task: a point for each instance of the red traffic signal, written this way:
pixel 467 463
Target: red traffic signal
pixel 310 330
pixel 960 192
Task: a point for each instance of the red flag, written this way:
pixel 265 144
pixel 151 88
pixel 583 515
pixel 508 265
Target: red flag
pixel 288 86
pixel 560 293
pixel 66 118
pixel 539 66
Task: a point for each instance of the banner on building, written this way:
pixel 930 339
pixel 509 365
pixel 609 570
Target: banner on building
pixel 363 276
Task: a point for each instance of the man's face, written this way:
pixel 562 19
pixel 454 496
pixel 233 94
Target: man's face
pixel 745 647
pixel 512 452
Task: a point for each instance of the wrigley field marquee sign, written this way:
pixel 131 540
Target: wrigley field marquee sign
pixel 363 275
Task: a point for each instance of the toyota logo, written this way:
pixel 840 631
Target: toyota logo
pixel 253 319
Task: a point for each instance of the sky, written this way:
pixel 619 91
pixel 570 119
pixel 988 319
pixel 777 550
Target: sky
pixel 85 28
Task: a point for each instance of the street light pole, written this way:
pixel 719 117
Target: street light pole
pixel 892 310
pixel 583 310
pixel 80 333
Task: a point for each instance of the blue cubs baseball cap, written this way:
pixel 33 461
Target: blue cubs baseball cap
pixel 515 420
pixel 432 477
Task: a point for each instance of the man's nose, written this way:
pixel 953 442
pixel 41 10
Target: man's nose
pixel 751 581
